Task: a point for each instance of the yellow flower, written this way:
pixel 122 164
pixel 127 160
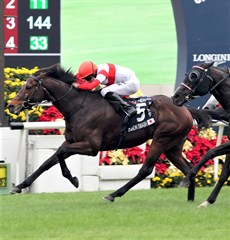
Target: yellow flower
pixel 155 179
pixel 187 146
pixel 7 70
pixel 209 134
pixel 118 157
pixel 14 116
pixel 23 118
pixel 7 82
pixel 22 115
pixel 12 95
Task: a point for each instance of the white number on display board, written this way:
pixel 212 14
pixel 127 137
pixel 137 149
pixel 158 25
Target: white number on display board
pixel 10 4
pixel 11 22
pixel 10 43
pixel 39 23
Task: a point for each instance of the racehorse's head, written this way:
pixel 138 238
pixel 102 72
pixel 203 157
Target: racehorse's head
pixel 29 95
pixel 196 83
pixel 52 83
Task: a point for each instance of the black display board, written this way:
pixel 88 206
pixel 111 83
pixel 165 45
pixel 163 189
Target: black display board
pixel 31 33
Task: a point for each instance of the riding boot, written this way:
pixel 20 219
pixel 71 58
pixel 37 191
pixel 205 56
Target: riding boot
pixel 127 108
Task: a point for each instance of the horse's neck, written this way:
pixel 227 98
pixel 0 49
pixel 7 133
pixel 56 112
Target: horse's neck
pixel 222 95
pixel 55 88
pixel 62 95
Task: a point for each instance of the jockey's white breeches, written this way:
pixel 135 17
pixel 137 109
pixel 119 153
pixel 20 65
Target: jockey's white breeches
pixel 123 88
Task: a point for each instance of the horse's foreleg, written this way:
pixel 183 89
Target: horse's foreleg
pixel 68 149
pixel 66 173
pixel 223 177
pixel 44 167
pixel 146 169
pixel 29 180
pixel 175 156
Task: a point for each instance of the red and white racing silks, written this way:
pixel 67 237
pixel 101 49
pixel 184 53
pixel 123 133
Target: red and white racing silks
pixel 118 79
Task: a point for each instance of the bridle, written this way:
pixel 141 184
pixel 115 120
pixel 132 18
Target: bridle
pixel 203 75
pixel 28 103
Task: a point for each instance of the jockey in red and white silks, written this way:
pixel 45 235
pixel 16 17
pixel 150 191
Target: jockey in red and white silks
pixel 119 81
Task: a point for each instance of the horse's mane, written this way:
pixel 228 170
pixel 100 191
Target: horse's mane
pixel 224 69
pixel 58 72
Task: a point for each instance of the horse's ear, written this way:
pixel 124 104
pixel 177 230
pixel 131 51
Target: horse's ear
pixel 55 66
pixel 211 63
pixel 208 65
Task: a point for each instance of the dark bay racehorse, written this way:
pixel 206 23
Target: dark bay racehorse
pixel 203 79
pixel 93 125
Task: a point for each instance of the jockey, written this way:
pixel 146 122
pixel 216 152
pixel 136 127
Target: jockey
pixel 212 103
pixel 117 79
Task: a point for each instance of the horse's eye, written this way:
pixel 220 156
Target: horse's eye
pixel 28 87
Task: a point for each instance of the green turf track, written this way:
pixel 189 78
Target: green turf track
pixel 158 214
pixel 139 34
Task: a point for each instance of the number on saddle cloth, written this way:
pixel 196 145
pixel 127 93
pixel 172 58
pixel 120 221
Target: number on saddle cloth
pixel 144 117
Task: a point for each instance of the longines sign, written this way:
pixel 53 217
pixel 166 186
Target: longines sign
pixel 211 57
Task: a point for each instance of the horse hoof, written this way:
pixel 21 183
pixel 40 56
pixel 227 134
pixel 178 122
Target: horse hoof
pixel 204 204
pixel 75 182
pixel 109 198
pixel 184 183
pixel 15 190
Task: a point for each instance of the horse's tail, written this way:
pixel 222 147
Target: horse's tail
pixel 218 114
pixel 202 117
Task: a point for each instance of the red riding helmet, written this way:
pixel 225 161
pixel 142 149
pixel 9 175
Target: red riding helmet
pixel 87 68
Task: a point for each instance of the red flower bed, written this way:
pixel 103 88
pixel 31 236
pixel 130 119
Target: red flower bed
pixel 49 115
pixel 200 145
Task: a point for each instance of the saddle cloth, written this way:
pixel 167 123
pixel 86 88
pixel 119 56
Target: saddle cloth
pixel 144 117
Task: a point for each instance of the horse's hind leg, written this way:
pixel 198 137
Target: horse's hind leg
pixel 146 169
pixel 176 158
pixel 223 177
pixel 29 180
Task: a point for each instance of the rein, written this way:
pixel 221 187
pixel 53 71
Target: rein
pixel 217 84
pixel 77 109
pixel 70 89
